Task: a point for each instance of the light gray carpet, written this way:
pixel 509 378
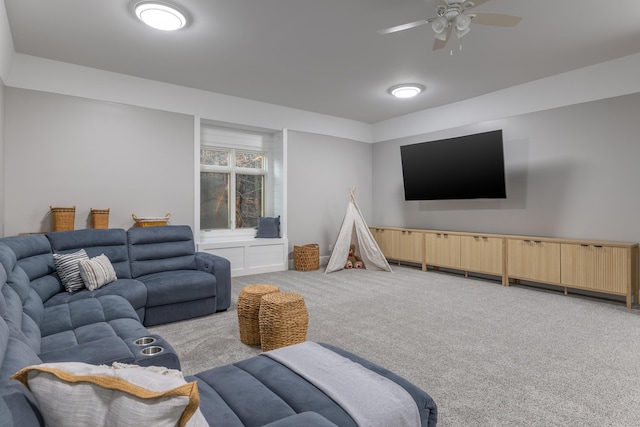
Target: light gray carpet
pixel 488 355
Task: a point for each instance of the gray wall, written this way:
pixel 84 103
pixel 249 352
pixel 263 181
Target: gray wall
pixel 321 169
pixel 64 151
pixel 571 172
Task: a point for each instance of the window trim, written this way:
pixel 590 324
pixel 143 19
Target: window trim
pixel 233 171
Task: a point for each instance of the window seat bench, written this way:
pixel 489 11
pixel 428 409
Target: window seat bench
pixel 249 255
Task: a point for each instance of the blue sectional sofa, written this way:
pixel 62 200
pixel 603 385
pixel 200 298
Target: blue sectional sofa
pixel 160 278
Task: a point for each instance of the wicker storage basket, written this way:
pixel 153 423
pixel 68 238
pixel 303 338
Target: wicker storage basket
pixel 248 307
pixel 150 221
pixel 100 218
pixel 63 218
pixel 307 257
pixel 283 320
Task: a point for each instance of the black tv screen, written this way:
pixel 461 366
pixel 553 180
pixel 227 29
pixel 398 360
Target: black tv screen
pixel 466 167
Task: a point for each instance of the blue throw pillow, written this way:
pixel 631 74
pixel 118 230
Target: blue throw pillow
pixel 268 227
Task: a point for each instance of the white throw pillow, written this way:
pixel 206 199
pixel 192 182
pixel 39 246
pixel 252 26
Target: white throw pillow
pixel 74 393
pixel 68 271
pixel 96 272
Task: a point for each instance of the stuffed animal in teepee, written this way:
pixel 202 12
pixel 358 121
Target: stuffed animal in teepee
pixel 352 260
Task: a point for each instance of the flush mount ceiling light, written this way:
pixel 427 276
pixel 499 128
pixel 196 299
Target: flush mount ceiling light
pixel 406 90
pixel 160 16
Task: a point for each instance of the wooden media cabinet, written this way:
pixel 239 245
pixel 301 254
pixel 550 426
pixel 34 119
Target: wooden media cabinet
pixel 597 266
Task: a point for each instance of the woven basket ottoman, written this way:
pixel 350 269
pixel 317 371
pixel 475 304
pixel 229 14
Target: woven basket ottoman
pixel 283 320
pixel 249 309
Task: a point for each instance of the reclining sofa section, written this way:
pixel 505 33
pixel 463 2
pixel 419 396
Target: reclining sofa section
pixel 159 272
pixel 181 283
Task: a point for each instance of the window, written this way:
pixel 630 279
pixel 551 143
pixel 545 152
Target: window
pixel 232 188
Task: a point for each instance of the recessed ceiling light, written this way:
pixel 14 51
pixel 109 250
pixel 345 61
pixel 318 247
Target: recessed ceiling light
pixel 406 90
pixel 160 16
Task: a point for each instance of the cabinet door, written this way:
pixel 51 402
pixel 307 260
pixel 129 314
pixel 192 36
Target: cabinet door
pixel 388 241
pixel 443 249
pixel 481 254
pixel 595 267
pixel 411 246
pixel 533 260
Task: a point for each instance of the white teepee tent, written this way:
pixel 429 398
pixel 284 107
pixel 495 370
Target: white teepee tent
pixel 355 230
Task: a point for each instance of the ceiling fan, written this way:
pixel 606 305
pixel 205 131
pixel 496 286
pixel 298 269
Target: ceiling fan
pixel 456 15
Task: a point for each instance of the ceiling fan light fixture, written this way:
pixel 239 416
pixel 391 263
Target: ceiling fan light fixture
pixel 461 34
pixel 406 90
pixel 439 24
pixel 442 36
pixel 160 16
pixel 462 22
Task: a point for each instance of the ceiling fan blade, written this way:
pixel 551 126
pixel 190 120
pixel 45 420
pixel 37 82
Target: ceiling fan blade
pixel 494 19
pixel 439 43
pixel 403 27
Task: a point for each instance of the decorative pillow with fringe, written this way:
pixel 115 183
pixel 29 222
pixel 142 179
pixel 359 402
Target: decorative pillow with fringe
pixel 96 272
pixel 74 393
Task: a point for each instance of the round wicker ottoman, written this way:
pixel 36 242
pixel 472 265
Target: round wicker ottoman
pixel 283 320
pixel 249 309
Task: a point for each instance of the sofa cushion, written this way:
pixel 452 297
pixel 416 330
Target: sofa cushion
pixel 21 326
pixel 162 248
pixel 96 272
pixel 33 254
pixel 68 269
pixel 18 407
pixel 169 287
pixel 132 290
pixel 71 316
pixel 111 241
pixel 17 355
pixel 100 351
pixel 143 396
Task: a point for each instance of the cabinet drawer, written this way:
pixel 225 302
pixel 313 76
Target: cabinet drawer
pixel 534 260
pixel 442 249
pixel 596 267
pixel 481 254
pixel 411 246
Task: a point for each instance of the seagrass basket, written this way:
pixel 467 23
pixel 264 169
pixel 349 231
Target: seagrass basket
pixel 100 218
pixel 306 257
pixel 150 221
pixel 248 307
pixel 63 218
pixel 283 320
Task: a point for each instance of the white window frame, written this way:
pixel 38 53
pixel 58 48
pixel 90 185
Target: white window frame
pixel 235 140
pixel 233 171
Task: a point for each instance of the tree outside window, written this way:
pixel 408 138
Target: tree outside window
pixel 225 172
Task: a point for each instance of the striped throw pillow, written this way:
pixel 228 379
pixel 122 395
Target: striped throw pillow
pixel 96 272
pixel 69 271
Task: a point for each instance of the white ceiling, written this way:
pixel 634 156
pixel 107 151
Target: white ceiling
pixel 326 56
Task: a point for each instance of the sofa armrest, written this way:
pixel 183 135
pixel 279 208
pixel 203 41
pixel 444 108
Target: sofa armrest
pixel 307 419
pixel 221 268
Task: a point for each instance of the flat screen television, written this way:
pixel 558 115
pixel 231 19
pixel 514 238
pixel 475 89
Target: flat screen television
pixel 466 167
